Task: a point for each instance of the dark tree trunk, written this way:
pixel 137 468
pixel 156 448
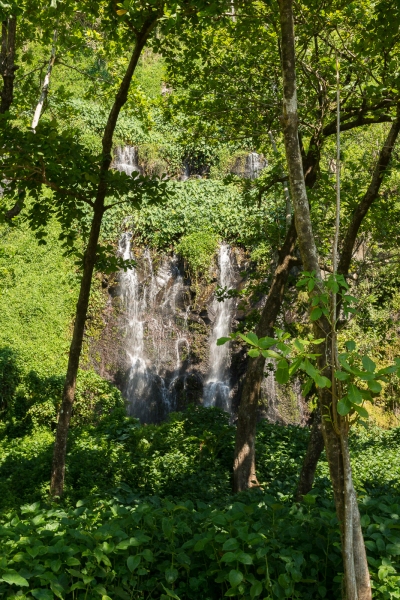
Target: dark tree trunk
pixel 314 450
pixel 7 63
pixel 356 576
pixel 244 467
pixel 60 446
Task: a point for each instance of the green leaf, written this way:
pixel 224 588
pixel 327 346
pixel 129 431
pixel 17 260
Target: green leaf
pixel 354 394
pixel 235 577
pixel 322 381
pixel 254 353
pixel 266 342
pixel 282 372
pixel 250 338
pixel 170 593
pixel 57 589
pixel 256 589
pixel 223 340
pixel 375 387
pixel 230 544
pixel 244 558
pixel 310 369
pixel 309 499
pixel 294 367
pixel 171 575
pixel 368 364
pixel 133 562
pixel 344 407
pixel 345 364
pixel 231 592
pixel 361 411
pixel 229 557
pixel 13 578
pixel 147 555
pixel 270 354
pixel 307 387
pixel 350 345
pixel 341 375
pixel 316 313
pixel 393 549
pixel 42 594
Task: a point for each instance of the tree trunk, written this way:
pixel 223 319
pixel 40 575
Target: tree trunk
pixel 244 466
pixel 46 83
pixel 60 446
pixel 357 584
pixel 314 450
pixel 7 63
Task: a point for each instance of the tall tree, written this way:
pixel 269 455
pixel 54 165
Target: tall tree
pixel 77 178
pixel 243 60
pixel 356 575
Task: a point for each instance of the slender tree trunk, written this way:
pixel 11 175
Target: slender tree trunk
pixel 314 450
pixel 7 62
pixel 60 446
pixel 244 466
pixel 46 83
pixel 357 583
pixel 316 445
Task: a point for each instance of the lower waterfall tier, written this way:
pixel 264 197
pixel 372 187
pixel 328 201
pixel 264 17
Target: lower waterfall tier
pixel 159 344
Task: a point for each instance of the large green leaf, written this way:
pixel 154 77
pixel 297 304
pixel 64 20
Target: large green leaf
pixel 375 387
pixel 344 407
pixel 368 364
pixel 235 577
pixel 133 562
pixel 13 578
pixel 354 394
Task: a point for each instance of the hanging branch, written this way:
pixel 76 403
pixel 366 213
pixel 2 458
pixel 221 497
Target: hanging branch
pixel 46 83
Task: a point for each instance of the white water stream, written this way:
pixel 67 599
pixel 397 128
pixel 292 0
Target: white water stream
pixel 216 389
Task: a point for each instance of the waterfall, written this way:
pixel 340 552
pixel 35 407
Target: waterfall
pixel 217 389
pixel 156 341
pixel 126 159
pixel 139 376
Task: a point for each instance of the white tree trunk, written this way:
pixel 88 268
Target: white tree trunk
pixel 46 83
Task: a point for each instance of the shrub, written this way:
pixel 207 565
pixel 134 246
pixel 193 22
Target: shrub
pixel 198 250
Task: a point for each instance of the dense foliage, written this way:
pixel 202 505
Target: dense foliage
pixel 170 522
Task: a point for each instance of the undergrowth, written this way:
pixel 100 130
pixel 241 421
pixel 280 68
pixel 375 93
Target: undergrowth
pixel 160 521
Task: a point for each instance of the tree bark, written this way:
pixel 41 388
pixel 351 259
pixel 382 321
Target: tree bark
pixel 244 465
pixel 46 83
pixel 7 62
pixel 357 584
pixel 314 450
pixel 60 446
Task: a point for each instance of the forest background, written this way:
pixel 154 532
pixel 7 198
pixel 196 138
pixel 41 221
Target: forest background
pixel 206 92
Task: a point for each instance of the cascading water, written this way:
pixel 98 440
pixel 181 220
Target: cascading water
pixel 126 159
pixel 156 337
pixel 217 389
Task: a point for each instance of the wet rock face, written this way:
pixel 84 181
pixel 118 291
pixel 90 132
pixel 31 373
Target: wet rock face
pixel 159 342
pixel 250 165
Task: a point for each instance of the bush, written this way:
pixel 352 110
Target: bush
pixel 198 250
pixel 121 546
